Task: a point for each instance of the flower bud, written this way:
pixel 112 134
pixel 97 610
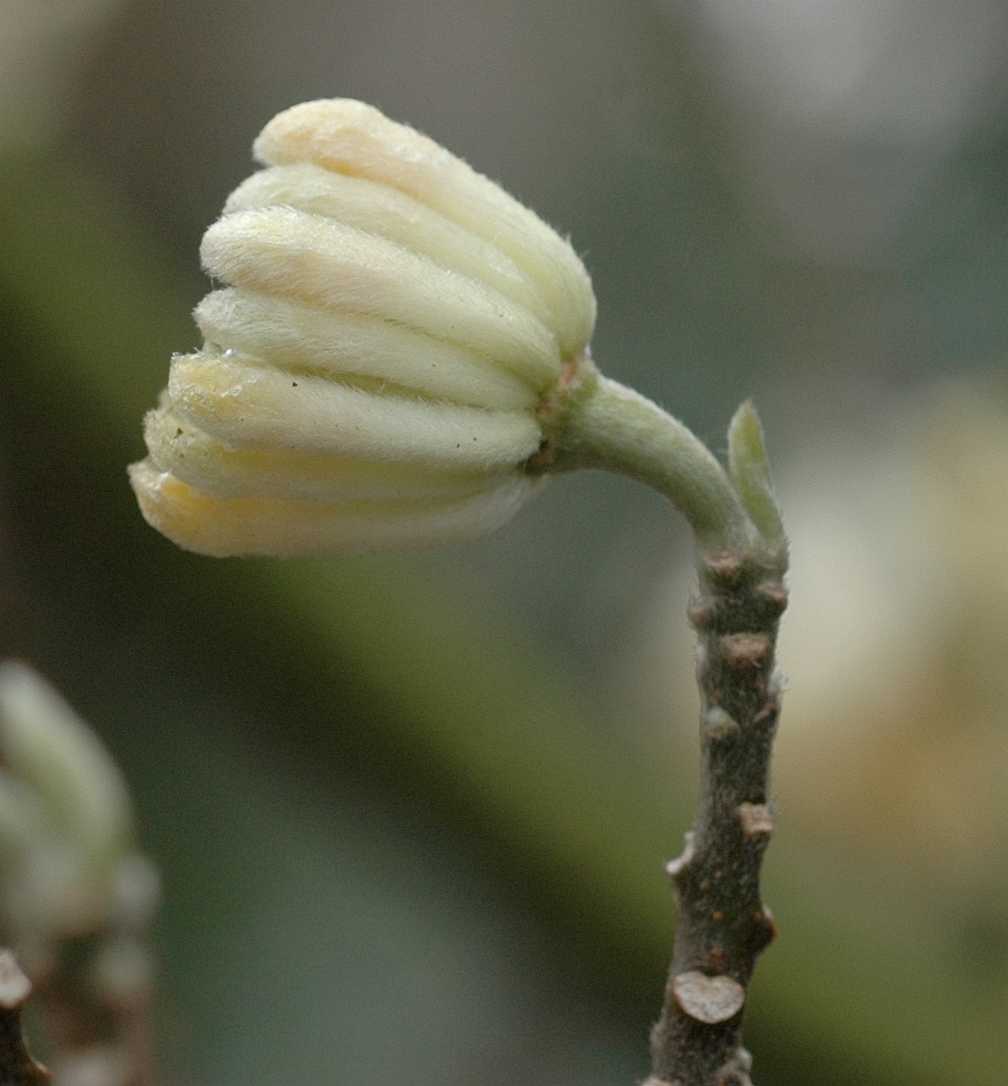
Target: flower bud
pixel 66 820
pixel 371 371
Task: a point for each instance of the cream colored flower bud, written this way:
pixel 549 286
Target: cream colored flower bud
pixel 371 372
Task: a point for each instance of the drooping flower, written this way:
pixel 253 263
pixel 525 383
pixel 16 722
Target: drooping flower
pixel 371 372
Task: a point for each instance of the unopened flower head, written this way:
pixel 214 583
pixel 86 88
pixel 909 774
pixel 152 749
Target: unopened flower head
pixel 372 369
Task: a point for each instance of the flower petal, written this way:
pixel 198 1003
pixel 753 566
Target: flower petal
pixel 288 334
pixel 227 471
pixel 248 405
pixel 276 526
pixel 356 139
pixel 324 263
pixel 390 214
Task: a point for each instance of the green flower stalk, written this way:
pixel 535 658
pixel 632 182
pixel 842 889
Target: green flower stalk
pixel 399 356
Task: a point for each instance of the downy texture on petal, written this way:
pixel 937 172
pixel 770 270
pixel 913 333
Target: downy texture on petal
pixel 371 370
pixel 356 139
pixel 216 526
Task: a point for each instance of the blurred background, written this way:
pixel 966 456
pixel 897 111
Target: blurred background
pixel 411 812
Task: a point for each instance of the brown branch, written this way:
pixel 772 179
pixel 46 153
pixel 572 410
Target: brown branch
pixel 17 1068
pixel 723 924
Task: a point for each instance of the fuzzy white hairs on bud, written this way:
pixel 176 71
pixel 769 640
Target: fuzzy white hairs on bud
pixel 371 371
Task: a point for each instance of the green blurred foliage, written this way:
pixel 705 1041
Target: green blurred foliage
pixel 407 822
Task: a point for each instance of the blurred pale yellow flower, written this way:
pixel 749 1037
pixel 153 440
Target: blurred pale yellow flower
pixel 371 372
